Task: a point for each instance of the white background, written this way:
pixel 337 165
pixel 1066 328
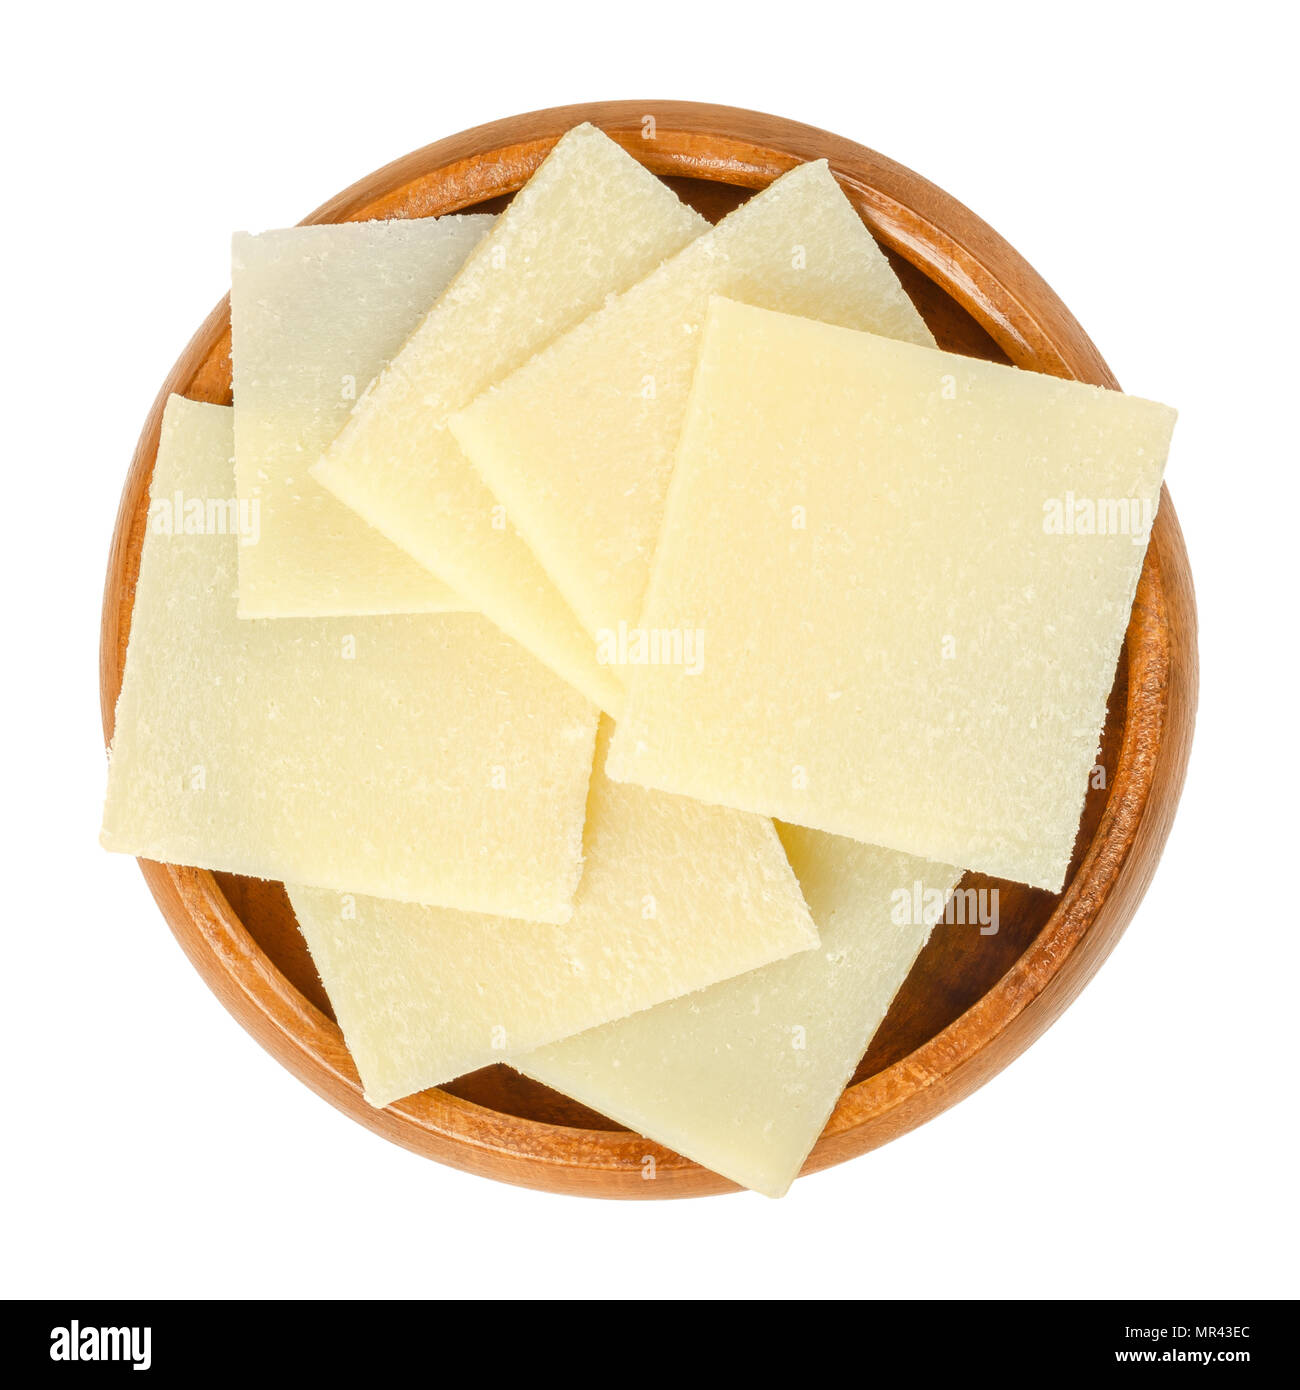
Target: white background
pixel 1140 158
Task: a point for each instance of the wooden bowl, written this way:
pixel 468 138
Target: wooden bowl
pixel 972 1002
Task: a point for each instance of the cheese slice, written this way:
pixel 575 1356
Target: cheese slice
pixel 910 625
pixel 590 222
pixel 423 757
pixel 675 897
pixel 579 443
pixel 743 1076
pixel 315 314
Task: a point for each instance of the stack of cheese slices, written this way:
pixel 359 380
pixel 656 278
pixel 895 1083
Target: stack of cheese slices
pixel 620 634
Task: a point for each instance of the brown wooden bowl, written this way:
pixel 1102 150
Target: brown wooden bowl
pixel 972 1002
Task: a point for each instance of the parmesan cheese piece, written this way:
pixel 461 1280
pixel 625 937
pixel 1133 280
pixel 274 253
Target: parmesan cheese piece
pixel 423 757
pixel 675 897
pixel 743 1076
pixel 315 314
pixel 590 222
pixel 579 443
pixel 910 620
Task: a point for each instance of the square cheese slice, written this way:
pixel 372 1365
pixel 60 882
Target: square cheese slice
pixel 316 313
pixel 424 757
pixel 911 574
pixel 590 222
pixel 675 897
pixel 743 1076
pixel 579 443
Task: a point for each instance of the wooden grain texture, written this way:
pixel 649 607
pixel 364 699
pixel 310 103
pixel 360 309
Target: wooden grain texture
pixel 972 1003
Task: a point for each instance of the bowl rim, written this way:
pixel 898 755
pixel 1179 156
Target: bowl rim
pixel 975 266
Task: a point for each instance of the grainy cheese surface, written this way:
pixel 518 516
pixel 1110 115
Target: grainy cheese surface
pixel 316 313
pixel 912 572
pixel 423 757
pixel 675 897
pixel 590 222
pixel 579 443
pixel 743 1076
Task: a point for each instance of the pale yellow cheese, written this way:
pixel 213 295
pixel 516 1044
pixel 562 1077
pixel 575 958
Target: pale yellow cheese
pixel 315 314
pixel 423 757
pixel 579 443
pixel 590 222
pixel 675 897
pixel 743 1076
pixel 903 641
